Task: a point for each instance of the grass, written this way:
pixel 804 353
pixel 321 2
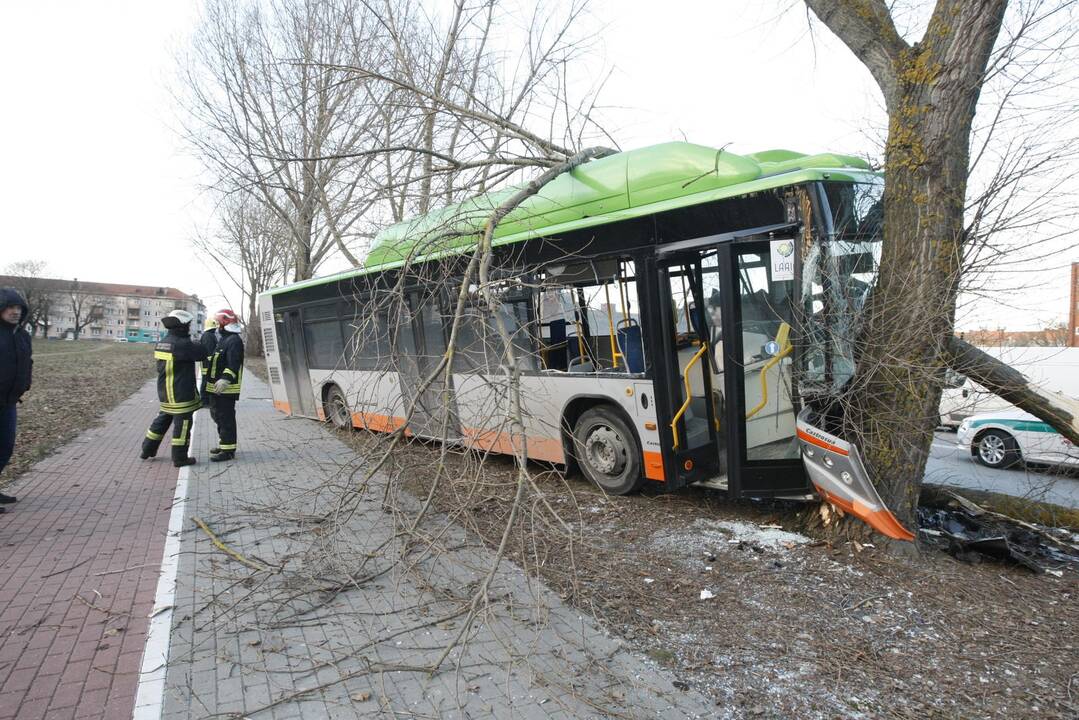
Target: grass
pixel 74 384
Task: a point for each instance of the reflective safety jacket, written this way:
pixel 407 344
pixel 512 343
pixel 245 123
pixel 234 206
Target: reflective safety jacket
pixel 176 356
pixel 228 363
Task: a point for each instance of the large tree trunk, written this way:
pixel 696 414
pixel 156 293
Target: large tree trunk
pixel 931 90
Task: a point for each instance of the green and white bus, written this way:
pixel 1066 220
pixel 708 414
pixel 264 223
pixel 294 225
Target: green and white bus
pixel 681 315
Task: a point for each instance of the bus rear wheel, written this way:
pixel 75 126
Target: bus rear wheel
pixel 607 451
pixel 336 408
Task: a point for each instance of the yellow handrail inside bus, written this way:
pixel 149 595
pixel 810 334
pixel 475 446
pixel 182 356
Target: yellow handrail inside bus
pixel 689 392
pixel 610 324
pixel 783 340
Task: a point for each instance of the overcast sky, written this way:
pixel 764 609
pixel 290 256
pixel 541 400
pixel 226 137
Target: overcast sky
pixel 98 184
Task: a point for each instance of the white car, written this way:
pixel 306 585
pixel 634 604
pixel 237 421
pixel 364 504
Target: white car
pixel 1004 438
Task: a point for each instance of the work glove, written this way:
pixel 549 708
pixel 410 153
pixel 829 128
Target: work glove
pixel 221 385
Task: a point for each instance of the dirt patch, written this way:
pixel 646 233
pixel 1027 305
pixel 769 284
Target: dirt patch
pixel 773 624
pixel 74 384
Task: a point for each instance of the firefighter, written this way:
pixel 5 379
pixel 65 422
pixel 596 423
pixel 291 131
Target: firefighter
pixel 177 390
pixel 226 375
pixel 208 340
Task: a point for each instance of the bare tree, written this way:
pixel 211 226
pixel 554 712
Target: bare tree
pixel 28 277
pixel 260 85
pixel 86 307
pixel 251 250
pixel 931 90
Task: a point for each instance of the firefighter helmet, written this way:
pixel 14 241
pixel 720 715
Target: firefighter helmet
pixel 225 317
pixel 210 324
pixel 177 318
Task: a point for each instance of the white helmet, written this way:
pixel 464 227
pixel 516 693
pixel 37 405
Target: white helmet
pixel 182 315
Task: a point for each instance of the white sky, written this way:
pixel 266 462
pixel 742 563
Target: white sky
pixel 98 184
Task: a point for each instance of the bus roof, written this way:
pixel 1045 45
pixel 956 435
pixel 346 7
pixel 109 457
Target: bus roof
pixel 621 186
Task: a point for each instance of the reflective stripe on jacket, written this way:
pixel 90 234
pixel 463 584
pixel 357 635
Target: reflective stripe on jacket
pixel 227 363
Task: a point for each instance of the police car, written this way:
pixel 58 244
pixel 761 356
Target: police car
pixel 1007 437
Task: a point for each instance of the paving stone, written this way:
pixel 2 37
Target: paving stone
pixel 90 508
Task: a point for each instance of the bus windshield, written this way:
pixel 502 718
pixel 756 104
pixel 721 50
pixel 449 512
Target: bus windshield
pixel 838 274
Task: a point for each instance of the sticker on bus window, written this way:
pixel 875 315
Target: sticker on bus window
pixel 782 260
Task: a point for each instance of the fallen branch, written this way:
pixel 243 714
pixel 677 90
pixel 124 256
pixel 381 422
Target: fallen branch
pixel 1056 409
pixel 226 549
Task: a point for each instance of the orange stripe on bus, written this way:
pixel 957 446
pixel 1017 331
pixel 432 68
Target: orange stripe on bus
pixel 376 422
pixel 653 466
pixel 282 406
pixel 539 448
pixel 821 443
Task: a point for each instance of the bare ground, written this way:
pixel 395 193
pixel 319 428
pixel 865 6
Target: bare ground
pixel 74 384
pixel 793 627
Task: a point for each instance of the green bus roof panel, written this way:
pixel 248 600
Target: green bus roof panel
pixel 620 186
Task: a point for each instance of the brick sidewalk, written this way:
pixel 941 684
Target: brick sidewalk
pixel 256 644
pixel 79 561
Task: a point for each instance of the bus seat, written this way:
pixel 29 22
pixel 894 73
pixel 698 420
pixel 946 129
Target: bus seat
pixel 581 365
pixel 557 357
pixel 631 345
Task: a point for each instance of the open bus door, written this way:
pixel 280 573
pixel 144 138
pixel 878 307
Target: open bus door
pixel 688 406
pixel 726 391
pixel 762 433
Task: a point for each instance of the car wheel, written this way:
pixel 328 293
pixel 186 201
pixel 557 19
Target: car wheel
pixel 336 408
pixel 607 451
pixel 996 449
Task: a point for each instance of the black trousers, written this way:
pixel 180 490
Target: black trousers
pixel 181 434
pixel 223 411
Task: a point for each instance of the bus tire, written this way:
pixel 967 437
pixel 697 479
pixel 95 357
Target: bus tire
pixel 606 448
pixel 335 407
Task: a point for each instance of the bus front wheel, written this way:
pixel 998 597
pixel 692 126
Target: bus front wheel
pixel 607 451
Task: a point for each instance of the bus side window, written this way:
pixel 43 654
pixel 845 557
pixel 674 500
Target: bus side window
pixel 588 318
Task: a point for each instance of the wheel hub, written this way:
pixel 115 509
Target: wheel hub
pixel 992 449
pixel 606 451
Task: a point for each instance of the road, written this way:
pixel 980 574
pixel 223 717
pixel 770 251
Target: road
pixel 951 466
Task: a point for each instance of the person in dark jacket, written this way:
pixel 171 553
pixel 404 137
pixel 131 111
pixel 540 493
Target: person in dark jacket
pixel 177 389
pixel 16 364
pixel 226 376
pixel 208 340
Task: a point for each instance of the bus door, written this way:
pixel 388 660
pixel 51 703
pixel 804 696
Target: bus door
pixel 764 457
pixel 421 343
pixel 294 367
pixel 688 404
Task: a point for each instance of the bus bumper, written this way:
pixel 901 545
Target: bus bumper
pixel 836 471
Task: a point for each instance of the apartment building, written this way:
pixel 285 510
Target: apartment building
pixel 102 311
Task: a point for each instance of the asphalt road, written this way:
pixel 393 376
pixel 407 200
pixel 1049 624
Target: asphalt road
pixel 951 466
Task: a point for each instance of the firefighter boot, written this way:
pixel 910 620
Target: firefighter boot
pixel 149 448
pixel 223 455
pixel 179 456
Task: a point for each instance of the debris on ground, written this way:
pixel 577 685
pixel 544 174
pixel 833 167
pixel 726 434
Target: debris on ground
pixel 970 533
